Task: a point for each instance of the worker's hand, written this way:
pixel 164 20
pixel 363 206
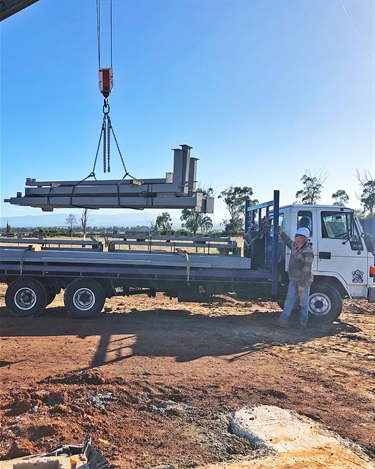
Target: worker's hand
pixel 280 229
pixel 301 289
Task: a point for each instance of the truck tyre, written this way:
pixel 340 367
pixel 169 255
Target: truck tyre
pixel 84 298
pixel 325 304
pixel 26 297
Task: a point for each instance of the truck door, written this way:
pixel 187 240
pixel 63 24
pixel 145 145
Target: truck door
pixel 341 250
pixel 306 219
pixel 302 218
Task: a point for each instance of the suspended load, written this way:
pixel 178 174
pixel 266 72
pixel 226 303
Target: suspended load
pixel 176 191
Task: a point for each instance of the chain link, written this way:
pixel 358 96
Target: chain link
pixel 105 136
pixel 108 144
pixel 104 130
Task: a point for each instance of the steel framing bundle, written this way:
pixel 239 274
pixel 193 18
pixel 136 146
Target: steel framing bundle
pixel 176 191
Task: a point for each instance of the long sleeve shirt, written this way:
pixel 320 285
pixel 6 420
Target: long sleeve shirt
pixel 301 260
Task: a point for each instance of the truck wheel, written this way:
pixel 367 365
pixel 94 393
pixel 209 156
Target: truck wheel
pixel 84 298
pixel 26 297
pixel 325 304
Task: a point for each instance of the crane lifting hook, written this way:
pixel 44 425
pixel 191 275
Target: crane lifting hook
pixel 105 81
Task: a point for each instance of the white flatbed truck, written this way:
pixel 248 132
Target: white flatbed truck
pixel 194 269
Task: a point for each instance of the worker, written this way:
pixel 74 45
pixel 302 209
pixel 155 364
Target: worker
pixel 300 275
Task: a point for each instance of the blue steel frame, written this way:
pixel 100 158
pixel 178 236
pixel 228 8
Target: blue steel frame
pixel 257 212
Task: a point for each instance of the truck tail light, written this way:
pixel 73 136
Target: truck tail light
pixel 372 271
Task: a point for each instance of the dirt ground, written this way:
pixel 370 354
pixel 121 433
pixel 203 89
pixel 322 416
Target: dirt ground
pixel 153 381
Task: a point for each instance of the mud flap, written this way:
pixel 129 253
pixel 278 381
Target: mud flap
pixel 371 294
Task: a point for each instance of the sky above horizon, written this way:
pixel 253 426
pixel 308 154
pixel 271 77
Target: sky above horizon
pixel 264 91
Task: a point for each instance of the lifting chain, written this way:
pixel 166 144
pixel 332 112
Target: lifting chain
pixel 106 133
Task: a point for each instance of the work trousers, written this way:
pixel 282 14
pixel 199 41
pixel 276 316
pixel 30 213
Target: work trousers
pixel 291 297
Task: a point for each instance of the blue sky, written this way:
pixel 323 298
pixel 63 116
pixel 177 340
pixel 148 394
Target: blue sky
pixel 262 90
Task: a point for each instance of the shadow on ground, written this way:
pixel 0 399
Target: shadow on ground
pixel 169 333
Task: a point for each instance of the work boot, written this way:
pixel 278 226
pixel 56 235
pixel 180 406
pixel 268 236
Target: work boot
pixel 282 323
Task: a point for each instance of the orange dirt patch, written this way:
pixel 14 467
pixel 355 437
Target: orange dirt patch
pixel 153 380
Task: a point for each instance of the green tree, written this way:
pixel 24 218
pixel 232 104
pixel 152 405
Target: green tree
pixel 8 229
pixel 312 187
pixel 367 196
pixel 206 224
pixel 341 197
pixel 163 222
pixel 234 198
pixel 194 220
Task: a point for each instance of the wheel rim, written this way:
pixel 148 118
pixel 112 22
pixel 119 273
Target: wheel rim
pixel 84 299
pixel 25 298
pixel 320 304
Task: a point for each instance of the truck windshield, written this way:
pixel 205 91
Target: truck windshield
pixel 339 225
pixel 335 225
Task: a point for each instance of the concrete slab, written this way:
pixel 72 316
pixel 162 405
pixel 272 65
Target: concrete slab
pixel 290 440
pixel 279 430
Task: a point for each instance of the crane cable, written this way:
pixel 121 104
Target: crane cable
pixel 98 27
pixel 105 80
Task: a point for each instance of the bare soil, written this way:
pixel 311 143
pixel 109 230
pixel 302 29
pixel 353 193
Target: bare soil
pixel 153 381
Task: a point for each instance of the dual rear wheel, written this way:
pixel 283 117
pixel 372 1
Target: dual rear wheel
pixel 26 297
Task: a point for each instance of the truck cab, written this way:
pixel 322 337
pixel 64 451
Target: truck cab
pixel 343 260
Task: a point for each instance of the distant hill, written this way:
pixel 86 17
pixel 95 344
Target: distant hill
pixel 46 220
pixel 125 219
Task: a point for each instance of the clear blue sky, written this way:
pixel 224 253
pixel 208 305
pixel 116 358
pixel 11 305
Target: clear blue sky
pixel 262 90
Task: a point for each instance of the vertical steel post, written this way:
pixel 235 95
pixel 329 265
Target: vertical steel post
pixel 246 215
pixel 192 184
pixel 181 167
pixel 275 243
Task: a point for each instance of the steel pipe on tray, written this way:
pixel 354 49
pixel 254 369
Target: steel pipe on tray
pixel 86 257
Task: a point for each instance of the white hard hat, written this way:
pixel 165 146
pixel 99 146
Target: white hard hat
pixel 303 231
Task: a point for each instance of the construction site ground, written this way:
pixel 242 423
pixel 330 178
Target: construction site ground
pixel 153 381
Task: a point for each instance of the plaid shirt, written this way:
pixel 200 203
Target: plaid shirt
pixel 300 264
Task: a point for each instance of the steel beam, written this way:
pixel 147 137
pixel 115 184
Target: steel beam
pixel 103 190
pixel 197 202
pixel 89 182
pixel 145 259
pixel 176 191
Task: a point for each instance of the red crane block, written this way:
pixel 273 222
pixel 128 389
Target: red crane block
pixel 105 81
